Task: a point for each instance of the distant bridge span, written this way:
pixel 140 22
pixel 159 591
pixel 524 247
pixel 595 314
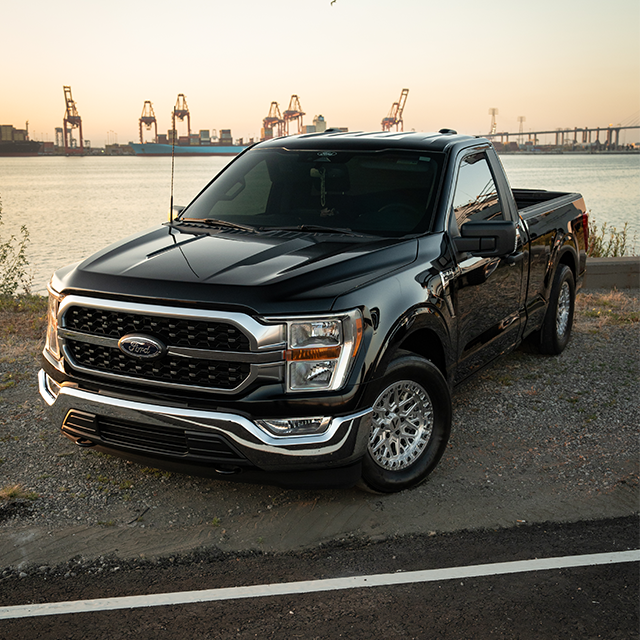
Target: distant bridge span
pixel 564 135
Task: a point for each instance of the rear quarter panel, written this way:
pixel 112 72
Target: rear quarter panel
pixel 556 237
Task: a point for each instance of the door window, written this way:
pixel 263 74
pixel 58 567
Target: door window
pixel 476 196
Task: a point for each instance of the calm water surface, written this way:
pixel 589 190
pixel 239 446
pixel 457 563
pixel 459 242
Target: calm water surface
pixel 75 206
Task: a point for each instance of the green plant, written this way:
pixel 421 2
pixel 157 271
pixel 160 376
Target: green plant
pixel 13 262
pixel 608 242
pixel 10 493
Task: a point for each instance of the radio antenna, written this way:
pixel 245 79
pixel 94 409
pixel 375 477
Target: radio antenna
pixel 173 155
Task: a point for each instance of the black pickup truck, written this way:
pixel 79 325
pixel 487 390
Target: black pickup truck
pixel 304 320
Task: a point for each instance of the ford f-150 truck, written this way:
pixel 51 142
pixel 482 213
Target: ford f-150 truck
pixel 305 318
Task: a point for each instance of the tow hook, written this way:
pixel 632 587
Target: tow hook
pixel 84 442
pixel 227 471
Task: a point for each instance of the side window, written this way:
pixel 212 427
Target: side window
pixel 476 196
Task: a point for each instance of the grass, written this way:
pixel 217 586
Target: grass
pixel 24 315
pixel 614 309
pixel 11 493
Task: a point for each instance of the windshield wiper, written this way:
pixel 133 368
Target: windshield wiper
pixel 318 227
pixel 215 222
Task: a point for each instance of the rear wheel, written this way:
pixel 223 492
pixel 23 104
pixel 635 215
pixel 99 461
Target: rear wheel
pixel 556 327
pixel 410 426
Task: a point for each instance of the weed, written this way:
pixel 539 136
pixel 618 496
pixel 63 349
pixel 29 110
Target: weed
pixel 505 380
pixel 14 492
pixel 14 263
pixel 215 522
pixel 608 242
pixel 157 473
pixel 613 308
pixel 7 381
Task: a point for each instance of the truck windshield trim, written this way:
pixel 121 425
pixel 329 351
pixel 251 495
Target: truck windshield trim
pixel 386 193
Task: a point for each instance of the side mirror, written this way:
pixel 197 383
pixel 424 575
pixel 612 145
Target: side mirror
pixel 487 239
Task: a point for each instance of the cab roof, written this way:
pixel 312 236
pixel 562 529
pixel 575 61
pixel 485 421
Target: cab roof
pixel 338 140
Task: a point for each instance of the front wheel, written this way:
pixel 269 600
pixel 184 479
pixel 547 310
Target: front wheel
pixel 557 323
pixel 410 426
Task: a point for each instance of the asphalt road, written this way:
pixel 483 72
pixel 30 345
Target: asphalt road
pixel 581 602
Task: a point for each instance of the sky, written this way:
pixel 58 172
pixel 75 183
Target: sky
pixel 558 63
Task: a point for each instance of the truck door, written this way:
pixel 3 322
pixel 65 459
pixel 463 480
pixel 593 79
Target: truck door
pixel 488 291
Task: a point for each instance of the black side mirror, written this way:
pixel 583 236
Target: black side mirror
pixel 487 239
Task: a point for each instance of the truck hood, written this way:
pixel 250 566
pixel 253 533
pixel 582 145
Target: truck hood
pixel 270 272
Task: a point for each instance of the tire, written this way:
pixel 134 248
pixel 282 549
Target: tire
pixel 410 426
pixel 557 323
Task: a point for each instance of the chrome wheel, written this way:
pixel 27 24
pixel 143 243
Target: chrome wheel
pixel 564 309
pixel 402 425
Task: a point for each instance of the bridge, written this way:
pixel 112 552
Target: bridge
pixel 564 136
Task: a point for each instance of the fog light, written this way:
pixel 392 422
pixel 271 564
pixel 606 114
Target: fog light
pixel 295 426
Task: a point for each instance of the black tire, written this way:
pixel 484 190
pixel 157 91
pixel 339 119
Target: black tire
pixel 404 447
pixel 558 320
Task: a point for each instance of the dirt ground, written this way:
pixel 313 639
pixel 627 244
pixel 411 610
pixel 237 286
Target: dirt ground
pixel 535 439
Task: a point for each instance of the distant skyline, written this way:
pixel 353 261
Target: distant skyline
pixel 559 64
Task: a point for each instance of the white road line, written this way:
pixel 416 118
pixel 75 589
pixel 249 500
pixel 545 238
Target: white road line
pixel 315 586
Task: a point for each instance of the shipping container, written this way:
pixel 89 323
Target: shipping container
pixel 6 132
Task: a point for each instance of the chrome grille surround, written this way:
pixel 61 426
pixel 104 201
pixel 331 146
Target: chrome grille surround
pixel 221 352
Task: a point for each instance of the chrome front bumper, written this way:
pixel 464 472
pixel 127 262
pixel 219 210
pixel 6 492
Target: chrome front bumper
pixel 343 442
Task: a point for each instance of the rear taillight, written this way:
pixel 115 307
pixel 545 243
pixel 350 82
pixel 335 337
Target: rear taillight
pixel 585 230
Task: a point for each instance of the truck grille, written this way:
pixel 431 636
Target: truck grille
pixel 187 371
pixel 197 334
pixel 195 350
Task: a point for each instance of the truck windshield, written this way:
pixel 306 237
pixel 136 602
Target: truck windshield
pixel 386 193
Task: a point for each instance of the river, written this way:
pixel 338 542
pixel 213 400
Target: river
pixel 73 206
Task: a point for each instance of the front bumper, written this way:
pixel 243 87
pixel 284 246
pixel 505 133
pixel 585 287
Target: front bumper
pixel 194 440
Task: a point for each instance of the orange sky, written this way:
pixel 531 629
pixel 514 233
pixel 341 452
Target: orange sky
pixel 559 63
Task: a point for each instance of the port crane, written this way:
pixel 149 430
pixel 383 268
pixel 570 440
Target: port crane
pixel 273 123
pixel 71 121
pixel 294 112
pixel 147 119
pixel 181 111
pixel 394 117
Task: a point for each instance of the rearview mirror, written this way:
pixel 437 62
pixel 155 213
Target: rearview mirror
pixel 487 239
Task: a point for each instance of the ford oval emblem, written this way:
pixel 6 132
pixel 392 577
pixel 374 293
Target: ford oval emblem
pixel 141 346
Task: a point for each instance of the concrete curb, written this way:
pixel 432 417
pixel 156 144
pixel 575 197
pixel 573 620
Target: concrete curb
pixel 607 273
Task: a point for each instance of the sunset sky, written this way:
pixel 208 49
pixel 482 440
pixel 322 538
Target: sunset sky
pixel 559 63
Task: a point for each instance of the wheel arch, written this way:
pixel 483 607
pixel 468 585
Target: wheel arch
pixel 422 332
pixel 568 258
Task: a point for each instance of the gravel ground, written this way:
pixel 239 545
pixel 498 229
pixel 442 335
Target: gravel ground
pixel 534 439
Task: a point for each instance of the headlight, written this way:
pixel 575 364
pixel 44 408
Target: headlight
pixel 51 344
pixel 321 350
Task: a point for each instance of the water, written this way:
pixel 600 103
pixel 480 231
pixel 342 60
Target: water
pixel 75 206
pixel 610 184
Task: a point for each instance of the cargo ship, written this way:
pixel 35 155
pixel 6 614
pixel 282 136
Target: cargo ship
pixel 194 144
pixel 158 149
pixel 20 148
pixel 15 142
